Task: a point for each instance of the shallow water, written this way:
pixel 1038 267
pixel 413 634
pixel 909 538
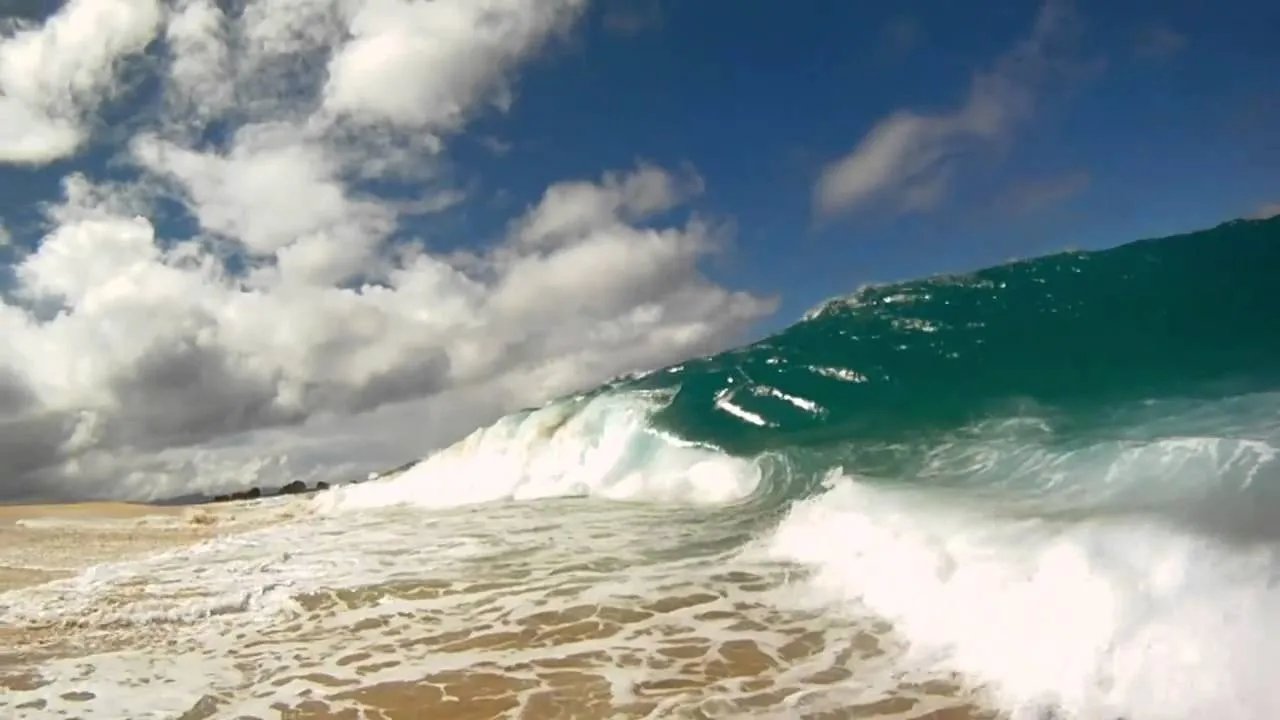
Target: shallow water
pixel 558 608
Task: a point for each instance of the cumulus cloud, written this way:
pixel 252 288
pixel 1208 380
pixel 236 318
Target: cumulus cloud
pixel 907 161
pixel 54 76
pixel 569 210
pixel 302 329
pixel 376 77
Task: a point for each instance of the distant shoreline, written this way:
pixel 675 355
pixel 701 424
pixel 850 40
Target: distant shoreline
pixel 296 487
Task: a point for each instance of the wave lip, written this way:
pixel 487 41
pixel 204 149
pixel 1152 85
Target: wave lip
pixel 599 446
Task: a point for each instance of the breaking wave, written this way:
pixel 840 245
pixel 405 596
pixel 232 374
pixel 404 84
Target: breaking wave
pixel 1056 477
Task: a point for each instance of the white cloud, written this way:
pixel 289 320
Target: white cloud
pixel 471 43
pixel 907 161
pixel 303 330
pixel 569 210
pixel 200 78
pixel 53 77
pixel 274 196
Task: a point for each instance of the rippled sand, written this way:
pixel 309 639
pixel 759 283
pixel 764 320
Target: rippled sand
pixel 219 612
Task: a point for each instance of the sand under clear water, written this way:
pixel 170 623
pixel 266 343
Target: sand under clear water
pixel 546 609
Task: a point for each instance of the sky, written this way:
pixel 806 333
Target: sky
pixel 250 241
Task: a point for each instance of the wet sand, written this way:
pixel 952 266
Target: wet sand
pixel 534 664
pixel 101 510
pixel 42 542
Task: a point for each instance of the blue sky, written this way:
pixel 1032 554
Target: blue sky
pixel 255 241
pixel 1169 125
pixel 1166 124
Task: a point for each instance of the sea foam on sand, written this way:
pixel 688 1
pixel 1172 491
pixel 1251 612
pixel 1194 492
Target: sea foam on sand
pixel 538 609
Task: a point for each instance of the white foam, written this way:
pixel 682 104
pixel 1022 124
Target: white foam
pixel 1103 618
pixel 227 617
pixel 602 447
pixel 99 523
pixel 842 374
pixel 804 404
pixel 724 401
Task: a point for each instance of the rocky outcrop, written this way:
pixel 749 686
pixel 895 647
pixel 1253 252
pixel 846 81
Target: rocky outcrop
pixel 297 487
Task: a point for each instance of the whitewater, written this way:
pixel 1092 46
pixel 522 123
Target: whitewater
pixel 1048 489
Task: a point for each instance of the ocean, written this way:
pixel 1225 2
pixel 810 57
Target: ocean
pixel 1047 489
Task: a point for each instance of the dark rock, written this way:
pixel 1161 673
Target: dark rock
pixel 297 487
pixel 249 494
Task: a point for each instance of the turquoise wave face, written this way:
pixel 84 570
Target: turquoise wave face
pixel 1060 352
pixel 1070 335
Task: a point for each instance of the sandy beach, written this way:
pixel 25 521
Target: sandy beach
pixel 45 541
pixel 105 510
pixel 41 543
pixel 499 642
